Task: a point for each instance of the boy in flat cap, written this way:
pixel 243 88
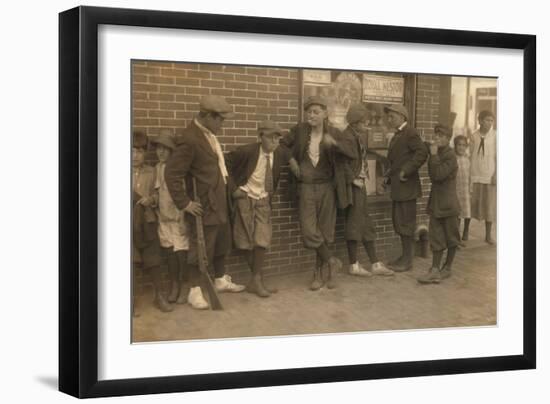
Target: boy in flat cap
pixel 254 171
pixel 173 232
pixel 199 155
pixel 359 226
pixel 406 153
pixel 145 237
pixel 314 147
pixel 443 206
pixel 483 152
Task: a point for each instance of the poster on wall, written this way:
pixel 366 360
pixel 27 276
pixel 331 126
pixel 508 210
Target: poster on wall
pixel 383 89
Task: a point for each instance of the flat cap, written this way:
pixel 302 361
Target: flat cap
pixel 484 114
pixel 217 104
pixel 445 130
pixel 315 100
pixel 139 140
pixel 400 109
pixel 165 138
pixel 269 127
pixel 356 113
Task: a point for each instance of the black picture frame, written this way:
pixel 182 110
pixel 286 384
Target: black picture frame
pixel 78 196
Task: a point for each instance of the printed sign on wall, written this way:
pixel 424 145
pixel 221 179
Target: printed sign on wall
pixel 383 89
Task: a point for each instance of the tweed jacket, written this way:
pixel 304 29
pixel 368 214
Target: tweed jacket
pixel 195 158
pixel 443 168
pixel 406 153
pixel 296 144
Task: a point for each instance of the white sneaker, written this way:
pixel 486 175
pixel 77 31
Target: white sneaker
pixel 224 284
pixel 357 270
pixel 378 268
pixel 196 299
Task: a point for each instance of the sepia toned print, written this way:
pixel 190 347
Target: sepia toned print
pixel 276 201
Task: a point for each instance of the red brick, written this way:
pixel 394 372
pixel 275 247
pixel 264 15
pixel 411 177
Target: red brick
pixel 156 113
pixel 211 67
pixel 161 97
pixel 139 78
pixel 288 82
pixel 161 80
pixel 269 96
pixel 150 88
pixel 257 71
pixel 146 122
pixel 188 98
pixel 245 77
pixel 172 105
pixel 223 76
pixel 235 84
pixel 187 82
pixel 267 80
pixel 223 92
pixel 146 104
pixel 197 90
pixel 198 74
pixel 245 93
pixel 212 83
pixel 187 115
pixel 236 101
pixel 245 124
pixel 258 102
pixel 169 72
pixel 137 95
pixel 257 87
pixel 235 69
pixel 145 70
pixel 278 73
pixel 140 113
pixel 172 122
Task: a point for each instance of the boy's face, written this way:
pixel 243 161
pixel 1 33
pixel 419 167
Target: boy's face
pixel 269 142
pixel 395 120
pixel 163 153
pixel 460 147
pixel 361 126
pixel 213 122
pixel 138 157
pixel 441 139
pixel 486 124
pixel 315 115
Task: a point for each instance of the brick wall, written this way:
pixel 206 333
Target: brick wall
pixel 166 95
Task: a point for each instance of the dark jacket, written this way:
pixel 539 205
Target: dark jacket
pixel 195 158
pixel 442 168
pixel 296 144
pixel 242 161
pixel 406 153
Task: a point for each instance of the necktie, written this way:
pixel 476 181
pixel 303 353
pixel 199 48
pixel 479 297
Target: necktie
pixel 268 175
pixel 481 147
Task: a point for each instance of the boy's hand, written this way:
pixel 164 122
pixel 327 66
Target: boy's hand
pixel 146 201
pixel 402 176
pixel 328 140
pixel 294 167
pixel 194 208
pixel 433 149
pixel 239 193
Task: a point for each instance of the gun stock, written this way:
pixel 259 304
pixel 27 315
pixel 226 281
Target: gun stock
pixel 207 283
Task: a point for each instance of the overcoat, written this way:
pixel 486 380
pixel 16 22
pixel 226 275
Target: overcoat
pixel 442 168
pixel 406 153
pixel 195 158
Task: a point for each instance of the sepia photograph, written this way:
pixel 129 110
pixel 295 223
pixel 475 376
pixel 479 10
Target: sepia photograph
pixel 274 201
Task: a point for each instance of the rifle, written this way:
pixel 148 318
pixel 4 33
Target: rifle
pixel 202 258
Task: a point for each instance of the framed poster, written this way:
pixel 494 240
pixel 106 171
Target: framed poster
pixel 100 90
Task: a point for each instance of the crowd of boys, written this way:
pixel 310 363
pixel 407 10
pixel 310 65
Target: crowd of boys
pixel 233 192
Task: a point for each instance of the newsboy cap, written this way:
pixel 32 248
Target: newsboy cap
pixel 315 100
pixel 356 113
pixel 445 130
pixel 139 140
pixel 484 114
pixel 269 127
pixel 217 104
pixel 165 138
pixel 400 109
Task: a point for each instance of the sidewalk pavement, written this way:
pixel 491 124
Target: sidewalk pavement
pixel 398 302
